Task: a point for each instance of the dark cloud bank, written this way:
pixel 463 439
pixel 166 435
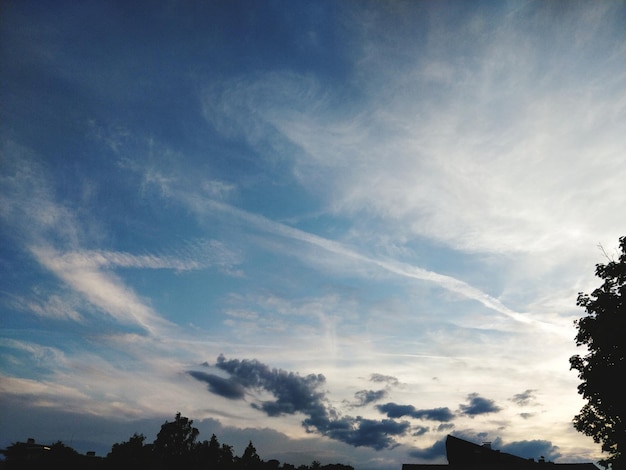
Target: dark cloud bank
pixel 294 393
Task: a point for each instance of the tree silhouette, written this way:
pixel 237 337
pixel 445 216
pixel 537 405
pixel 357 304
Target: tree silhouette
pixel 249 459
pixel 227 458
pixel 132 452
pixel 603 332
pixel 175 443
pixel 207 452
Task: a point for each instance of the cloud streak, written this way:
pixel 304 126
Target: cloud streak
pixel 201 254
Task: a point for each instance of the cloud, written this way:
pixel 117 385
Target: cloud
pixel 102 289
pixel 300 394
pixel 203 206
pixel 437 450
pixel 397 411
pixel 193 255
pixel 293 393
pixel 420 430
pixel 361 431
pixel 365 397
pixel 478 405
pixel 445 427
pixel 29 206
pixel 221 386
pixel 529 449
pixel 55 306
pixel 388 379
pixel 499 160
pixel 53 233
pixel 524 398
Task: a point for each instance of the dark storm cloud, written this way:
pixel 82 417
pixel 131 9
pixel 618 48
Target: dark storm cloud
pixel 297 394
pixel 226 388
pixel 365 397
pixel 394 410
pixel 478 405
pixel 293 393
pixel 360 431
pixel 438 449
pixel 524 398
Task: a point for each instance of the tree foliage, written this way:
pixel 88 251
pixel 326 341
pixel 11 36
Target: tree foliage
pixel 602 369
pixel 176 441
pixel 131 452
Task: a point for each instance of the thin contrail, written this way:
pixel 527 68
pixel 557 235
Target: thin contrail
pixel 399 268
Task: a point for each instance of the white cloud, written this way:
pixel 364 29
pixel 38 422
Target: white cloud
pixel 193 255
pixel 55 306
pixel 516 155
pixel 103 289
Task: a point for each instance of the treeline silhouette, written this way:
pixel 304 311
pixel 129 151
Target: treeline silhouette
pixel 175 447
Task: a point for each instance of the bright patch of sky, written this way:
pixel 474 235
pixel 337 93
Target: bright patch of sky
pixel 342 230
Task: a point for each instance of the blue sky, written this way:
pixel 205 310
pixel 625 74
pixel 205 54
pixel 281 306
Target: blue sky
pixel 339 229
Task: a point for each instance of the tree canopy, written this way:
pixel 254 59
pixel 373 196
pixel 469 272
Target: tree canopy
pixel 603 332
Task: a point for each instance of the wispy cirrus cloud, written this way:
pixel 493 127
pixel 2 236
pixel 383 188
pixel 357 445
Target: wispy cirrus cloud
pixel 102 289
pixel 55 306
pixel 199 254
pixel 54 234
pixel 492 161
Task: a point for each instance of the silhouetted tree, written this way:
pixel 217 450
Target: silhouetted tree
pixel 207 453
pixel 249 460
pixel 213 449
pixel 603 331
pixel 227 458
pixel 175 443
pixel 131 453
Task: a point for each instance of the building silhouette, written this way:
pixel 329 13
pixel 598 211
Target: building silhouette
pixel 465 455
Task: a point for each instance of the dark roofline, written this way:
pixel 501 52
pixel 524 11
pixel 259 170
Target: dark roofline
pixel 464 455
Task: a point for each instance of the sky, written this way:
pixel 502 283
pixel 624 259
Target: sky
pixel 339 229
